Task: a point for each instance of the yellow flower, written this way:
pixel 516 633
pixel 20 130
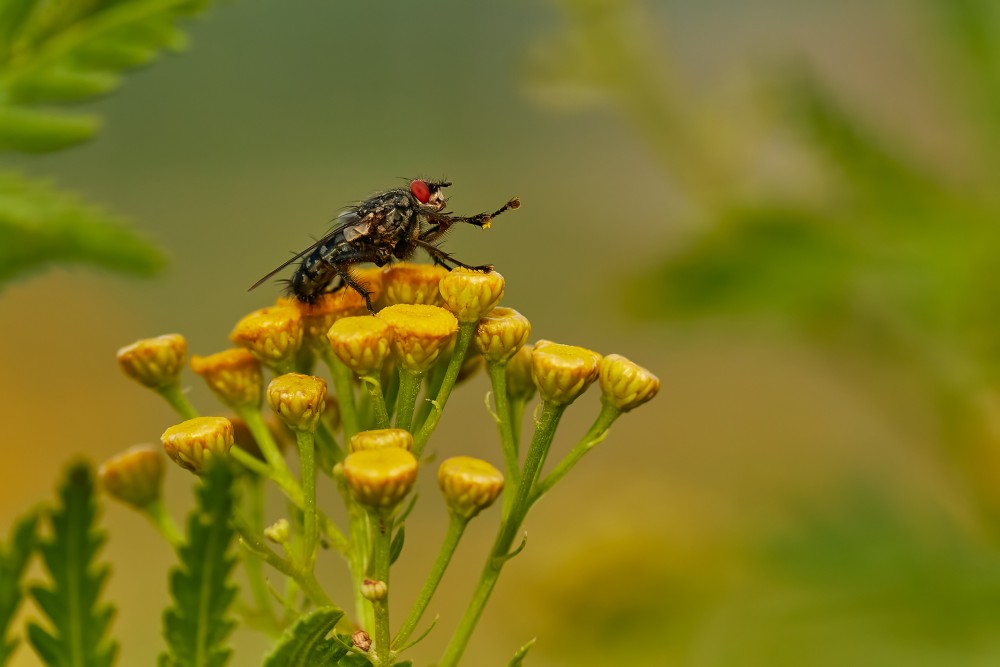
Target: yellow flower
pixel 380 478
pixel 501 334
pixel 234 375
pixel 419 333
pixel 191 443
pixel 299 400
pixel 318 317
pixel 469 485
pixel 154 362
pixel 273 335
pixel 625 384
pixel 520 386
pixel 471 294
pixel 361 343
pixel 383 437
pixel 563 372
pixel 135 476
pixel 412 283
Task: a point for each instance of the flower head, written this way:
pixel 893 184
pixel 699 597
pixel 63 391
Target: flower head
pixel 318 317
pixel 412 283
pixel 470 294
pixel 383 437
pixel 563 372
pixel 380 478
pixel 469 485
pixel 361 343
pixel 520 386
pixel 299 400
pixel 420 333
pixel 626 384
pixel 135 476
pixel 154 362
pixel 373 589
pixel 191 443
pixel 273 335
pixel 234 375
pixel 501 333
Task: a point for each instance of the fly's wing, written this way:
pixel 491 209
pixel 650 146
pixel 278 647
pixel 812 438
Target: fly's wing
pixel 348 222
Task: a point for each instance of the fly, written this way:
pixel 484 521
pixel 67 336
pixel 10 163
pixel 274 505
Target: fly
pixel 388 225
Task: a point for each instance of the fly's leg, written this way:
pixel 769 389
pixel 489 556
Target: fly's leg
pixel 341 263
pixel 479 220
pixel 446 260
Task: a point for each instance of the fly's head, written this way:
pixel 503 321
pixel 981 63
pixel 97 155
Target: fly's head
pixel 429 193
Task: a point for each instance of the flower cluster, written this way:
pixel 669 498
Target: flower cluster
pixel 392 375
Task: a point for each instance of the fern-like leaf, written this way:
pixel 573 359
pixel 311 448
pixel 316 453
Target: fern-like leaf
pixel 198 624
pixel 14 559
pixel 41 226
pixel 306 644
pixel 78 621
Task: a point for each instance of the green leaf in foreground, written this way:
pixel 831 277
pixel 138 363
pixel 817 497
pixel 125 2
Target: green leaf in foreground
pixel 40 225
pixel 14 559
pixel 78 622
pixel 306 643
pixel 518 658
pixel 197 625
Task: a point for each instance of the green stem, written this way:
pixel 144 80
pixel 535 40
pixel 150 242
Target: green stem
pixel 306 580
pixel 409 387
pixel 343 382
pixel 382 534
pixel 268 447
pixel 157 513
pixel 465 332
pixel 391 389
pixel 433 385
pixel 307 459
pixel 178 401
pixel 252 564
pixel 377 401
pixel 597 433
pixel 510 525
pixel 498 379
pixel 455 530
pixel 358 555
pixel 517 419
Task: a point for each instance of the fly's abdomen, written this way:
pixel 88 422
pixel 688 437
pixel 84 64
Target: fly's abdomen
pixel 313 276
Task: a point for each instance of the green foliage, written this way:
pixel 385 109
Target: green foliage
pixel 14 559
pixel 306 643
pixel 78 621
pixel 58 53
pixel 198 623
pixel 40 226
pixel 521 653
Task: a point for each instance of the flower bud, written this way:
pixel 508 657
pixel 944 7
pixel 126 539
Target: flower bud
pixel 329 307
pixel 469 485
pixel 419 333
pixel 154 362
pixel 298 400
pixel 383 437
pixel 135 476
pixel 470 294
pixel 273 335
pixel 279 532
pixel 233 375
pixel 374 590
pixel 501 334
pixel 380 478
pixel 625 384
pixel 520 386
pixel 191 443
pixel 361 343
pixel 361 640
pixel 412 283
pixel 563 372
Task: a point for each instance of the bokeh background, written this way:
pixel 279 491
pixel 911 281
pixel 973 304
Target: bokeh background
pixel 787 210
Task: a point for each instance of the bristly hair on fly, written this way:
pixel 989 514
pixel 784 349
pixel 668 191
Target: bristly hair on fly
pixel 387 226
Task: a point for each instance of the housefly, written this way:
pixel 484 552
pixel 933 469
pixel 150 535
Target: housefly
pixel 387 225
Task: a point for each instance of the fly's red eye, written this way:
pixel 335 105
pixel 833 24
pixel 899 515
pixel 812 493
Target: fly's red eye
pixel 420 191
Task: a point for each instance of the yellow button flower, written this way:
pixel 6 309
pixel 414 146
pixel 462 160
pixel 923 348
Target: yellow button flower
pixel 299 400
pixel 626 384
pixel 563 372
pixel 273 335
pixel 380 478
pixel 191 443
pixel 501 334
pixel 154 362
pixel 135 476
pixel 469 485
pixel 233 375
pixel 471 294
pixel 420 333
pixel 412 283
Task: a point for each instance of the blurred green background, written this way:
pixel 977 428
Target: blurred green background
pixel 787 210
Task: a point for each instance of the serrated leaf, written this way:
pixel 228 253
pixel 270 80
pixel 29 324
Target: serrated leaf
pixel 518 658
pixel 198 623
pixel 40 225
pixel 78 622
pixel 396 547
pixel 14 557
pixel 32 131
pixel 306 643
